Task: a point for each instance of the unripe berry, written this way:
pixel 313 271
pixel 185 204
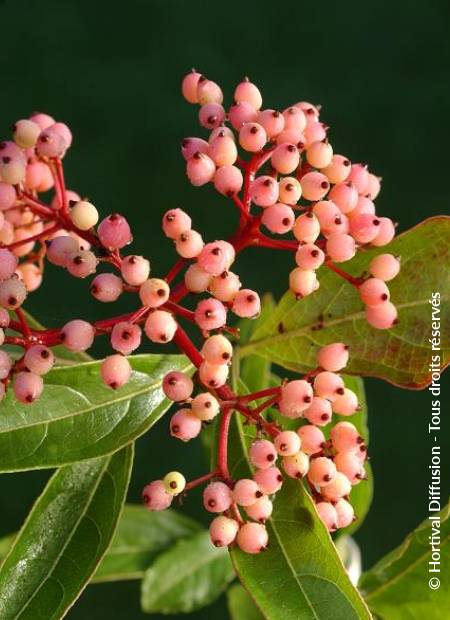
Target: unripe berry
pixel 208 92
pixel 383 316
pixel 205 406
pixel 189 86
pixel 39 359
pixel 84 215
pixel 217 350
pixel 81 264
pixel 319 412
pixel 303 282
pixel 340 247
pixel 246 492
pixel 374 292
pixel 155 496
pixel 213 375
pixel 248 92
pixel 307 228
pixel 115 371
pixel 77 335
pixel 338 169
pixel 264 191
pixel 5 364
pixel 106 287
pixel 260 510
pixel 223 151
pixel 196 279
pixel 294 118
pixel 296 465
pixel 26 133
pixel 328 385
pixel 268 480
pixel 8 264
pixel 287 443
pixel 328 515
pixel 223 531
pixel 333 357
pixel 241 113
pixel 200 169
pixel 252 137
pixel 340 487
pixel 210 314
pixel 246 304
pixel 114 232
pixel 126 337
pixel 285 158
pixel 135 269
pixel 154 292
pixel 189 244
pixel 217 497
pixel 12 293
pixel 31 275
pixel 345 513
pixel 290 190
pixel 322 471
pixel 386 232
pixel 349 465
pixel 252 538
pixel 27 387
pixel 177 386
pixel 272 121
pixel 175 222
pixel 345 196
pixel 262 453
pixel 296 397
pixel 228 180
pixel 225 286
pixel 359 176
pixel 346 403
pixel 174 482
pixel 59 249
pixel 385 267
pixel 211 115
pixel 7 233
pixel 312 438
pixel 185 425
pixel 160 326
pixel 309 257
pixel 7 196
pixel 50 143
pixel 278 218
pixel 345 436
pixel 319 155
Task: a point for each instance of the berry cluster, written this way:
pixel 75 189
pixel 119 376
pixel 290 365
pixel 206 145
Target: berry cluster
pixel 290 182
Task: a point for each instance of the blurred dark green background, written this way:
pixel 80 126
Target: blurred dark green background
pixel 111 70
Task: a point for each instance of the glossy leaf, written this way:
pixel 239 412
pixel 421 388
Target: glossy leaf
pixel 292 334
pixel 190 575
pixel 77 417
pixel 397 587
pixel 64 538
pixel 240 604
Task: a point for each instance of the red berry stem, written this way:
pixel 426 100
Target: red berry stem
pixel 343 274
pixel 261 394
pixel 201 480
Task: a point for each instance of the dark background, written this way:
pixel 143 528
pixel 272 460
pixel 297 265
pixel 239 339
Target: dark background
pixel 112 71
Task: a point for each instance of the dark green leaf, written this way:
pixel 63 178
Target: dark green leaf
pixel 77 417
pixel 64 538
pixel 397 587
pixel 240 604
pixel 190 575
pixel 292 334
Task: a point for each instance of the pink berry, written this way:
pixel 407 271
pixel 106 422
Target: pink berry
pixel 319 155
pixel 374 292
pixel 213 375
pixel 205 406
pixel 252 137
pixel 185 425
pixel 189 244
pixel 217 350
pixel 285 158
pixel 223 531
pixel 386 232
pixel 346 403
pixel 225 286
pixel 246 304
pixel 135 269
pixel 200 169
pixel 42 119
pixel 214 259
pixel 228 180
pixel 154 292
pixel 322 471
pixel 210 314
pixel 4 317
pixel 328 385
pixel 7 196
pixel 262 453
pixel 77 335
pixel 189 86
pixel 246 492
pixel 177 386
pixel 211 115
pixel 59 249
pixel 296 397
pixel 297 465
pixel 292 135
pixel 252 538
pixel 383 316
pixel 278 218
pixel 345 196
pixel 268 480
pixel 359 176
pixel 290 190
pixel 287 443
pixel 314 132
pixel 309 256
pixel 50 143
pixel 260 510
pixel 8 264
pixel 294 118
pixel 364 227
pixel 190 146
pixel 340 487
pixel 327 515
pixel 196 279
pixel 160 326
pixel 349 465
pixel 39 359
pixel 307 228
pixel 12 293
pixel 272 121
pixel 373 187
pixel 81 264
pixel 345 436
pixel 155 496
pixel 28 387
pixel 363 205
pixel 115 371
pixel 345 513
pixel 333 357
pixel 63 130
pixel 208 92
pixel 126 337
pixel 340 247
pixel 114 232
pixel 241 113
pixel 385 267
pixel 329 216
pixel 222 151
pixel 319 412
pixel 106 287
pixel 303 282
pixel 312 438
pixel 175 222
pixel 220 131
pixel 338 169
pixel 5 364
pixel 264 191
pixel 217 496
pixel 248 92
pixel 31 275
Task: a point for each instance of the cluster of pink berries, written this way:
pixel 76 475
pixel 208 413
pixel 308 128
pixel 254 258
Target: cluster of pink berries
pixel 331 467
pixel 321 197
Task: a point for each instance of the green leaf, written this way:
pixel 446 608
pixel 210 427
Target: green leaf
pixel 397 587
pixel 64 538
pixel 141 535
pixel 240 604
pixel 77 417
pixel 190 575
pixel 293 332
